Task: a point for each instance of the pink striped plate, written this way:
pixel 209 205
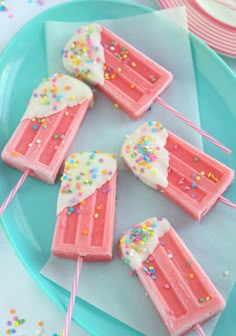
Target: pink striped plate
pixel 217 33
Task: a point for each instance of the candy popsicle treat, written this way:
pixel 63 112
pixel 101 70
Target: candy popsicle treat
pixel 190 178
pixel 85 213
pixel 179 289
pixel 52 119
pixel 86 207
pixel 124 74
pixel 129 78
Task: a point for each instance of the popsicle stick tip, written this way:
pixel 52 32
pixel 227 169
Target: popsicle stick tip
pixel 14 191
pixel 199 330
pixel 227 202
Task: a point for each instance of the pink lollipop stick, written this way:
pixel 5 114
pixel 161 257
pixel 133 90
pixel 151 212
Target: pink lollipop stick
pixel 195 127
pixel 14 191
pixel 230 6
pixel 227 202
pixel 72 297
pixel 198 328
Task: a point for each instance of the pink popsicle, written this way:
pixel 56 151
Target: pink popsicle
pixel 85 223
pixel 53 117
pixel 129 78
pixel 124 74
pixel 179 289
pixel 85 213
pixel 189 177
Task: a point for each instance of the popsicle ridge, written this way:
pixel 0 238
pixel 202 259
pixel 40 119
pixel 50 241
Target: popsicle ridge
pixel 192 179
pixel 84 173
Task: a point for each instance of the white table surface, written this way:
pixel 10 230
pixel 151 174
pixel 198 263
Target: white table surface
pixel 24 295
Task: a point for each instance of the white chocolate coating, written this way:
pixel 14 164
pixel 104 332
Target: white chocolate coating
pixel 84 55
pixel 144 153
pixel 84 173
pixel 138 243
pixel 55 94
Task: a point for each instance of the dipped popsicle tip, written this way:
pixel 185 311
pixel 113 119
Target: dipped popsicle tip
pixel 83 54
pixel 144 152
pixel 189 177
pixel 141 239
pixel 84 173
pixel 56 93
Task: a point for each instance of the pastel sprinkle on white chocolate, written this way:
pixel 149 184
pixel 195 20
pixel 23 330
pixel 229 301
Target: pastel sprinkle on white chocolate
pixel 83 54
pixel 55 94
pixel 144 153
pixel 139 242
pixel 84 173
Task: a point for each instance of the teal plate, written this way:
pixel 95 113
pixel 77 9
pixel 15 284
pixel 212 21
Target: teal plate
pixel 30 225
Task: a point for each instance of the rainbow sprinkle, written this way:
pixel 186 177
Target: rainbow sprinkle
pixel 138 236
pixel 3 6
pixel 85 177
pixel 15 325
pixel 84 173
pixel 84 52
pixel 144 155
